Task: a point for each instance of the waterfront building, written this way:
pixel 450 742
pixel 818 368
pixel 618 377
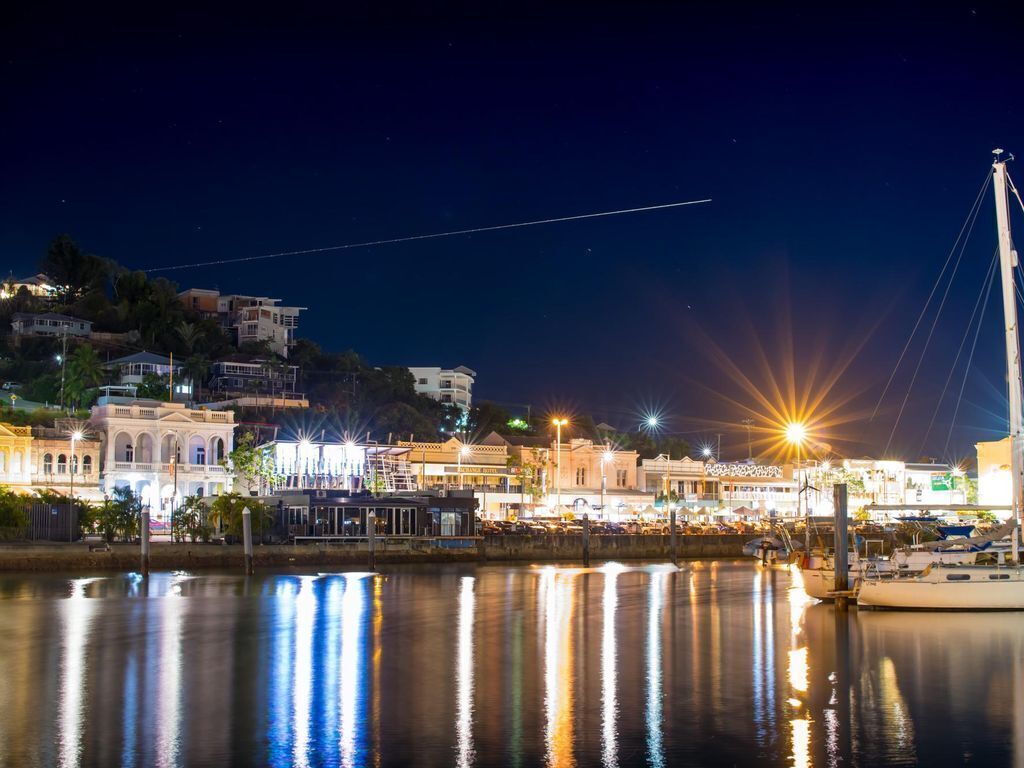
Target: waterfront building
pixel 59 462
pixel 481 467
pixel 751 489
pixel 334 514
pixel 446 385
pixel 49 324
pixel 582 476
pixel 247 318
pixel 339 465
pixel 897 483
pixel 162 451
pixel 41 458
pixel 994 481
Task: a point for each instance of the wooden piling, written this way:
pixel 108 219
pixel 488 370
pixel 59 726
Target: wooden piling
pixel 144 536
pixel 586 540
pixel 247 539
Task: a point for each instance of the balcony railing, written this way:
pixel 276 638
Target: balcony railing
pixel 156 466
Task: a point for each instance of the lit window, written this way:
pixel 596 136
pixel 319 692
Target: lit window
pixel 62 464
pixel 620 478
pixel 581 476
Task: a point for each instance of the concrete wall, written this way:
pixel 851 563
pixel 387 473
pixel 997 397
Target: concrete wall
pixel 494 549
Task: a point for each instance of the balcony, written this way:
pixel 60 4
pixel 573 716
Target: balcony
pixel 165 468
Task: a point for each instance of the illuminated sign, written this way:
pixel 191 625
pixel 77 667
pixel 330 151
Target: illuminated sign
pixel 726 469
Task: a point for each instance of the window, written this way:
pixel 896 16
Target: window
pixel 62 464
pixel 87 465
pixel 48 464
pixel 581 475
pixel 200 455
pixel 74 465
pixel 422 381
pixel 958 577
pixel 129 453
pixel 446 385
pixel 999 576
pixel 620 478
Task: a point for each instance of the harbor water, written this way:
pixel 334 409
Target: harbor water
pixel 717 664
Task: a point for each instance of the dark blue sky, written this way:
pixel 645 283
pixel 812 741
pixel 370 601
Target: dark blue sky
pixel 843 149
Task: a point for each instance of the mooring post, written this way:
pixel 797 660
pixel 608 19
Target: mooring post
pixel 586 540
pixel 841 546
pixel 371 525
pixel 247 539
pixel 145 541
pixel 673 540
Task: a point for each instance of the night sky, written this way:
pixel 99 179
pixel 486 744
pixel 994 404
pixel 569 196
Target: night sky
pixel 842 149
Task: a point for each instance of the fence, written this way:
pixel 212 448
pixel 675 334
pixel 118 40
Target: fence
pixel 52 522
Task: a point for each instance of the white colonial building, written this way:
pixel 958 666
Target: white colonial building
pixel 163 451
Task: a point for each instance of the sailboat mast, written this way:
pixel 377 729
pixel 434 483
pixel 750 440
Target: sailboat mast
pixel 1007 262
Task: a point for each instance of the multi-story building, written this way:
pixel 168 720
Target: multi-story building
pixel 39 458
pixel 247 318
pixel 133 369
pixel 342 465
pixel 446 385
pixel 482 467
pixel 49 324
pixel 583 476
pixel 162 451
pixel 255 382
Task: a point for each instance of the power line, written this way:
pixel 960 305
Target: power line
pixel 431 236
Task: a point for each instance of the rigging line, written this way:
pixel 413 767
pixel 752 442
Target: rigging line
pixel 967 332
pixel 967 368
pixel 434 235
pixel 1016 194
pixel 924 309
pixel 935 322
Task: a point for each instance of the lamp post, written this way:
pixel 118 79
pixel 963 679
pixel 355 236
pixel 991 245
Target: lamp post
pixel 796 433
pixel 605 458
pixel 559 423
pixel 75 437
pixel 463 451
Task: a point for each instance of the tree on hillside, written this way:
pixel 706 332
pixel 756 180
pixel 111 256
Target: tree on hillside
pixel 84 373
pixel 485 418
pixel 75 273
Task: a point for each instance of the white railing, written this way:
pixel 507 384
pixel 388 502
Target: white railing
pixel 153 466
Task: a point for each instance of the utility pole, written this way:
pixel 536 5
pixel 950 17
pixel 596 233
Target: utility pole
pixel 748 423
pixel 63 363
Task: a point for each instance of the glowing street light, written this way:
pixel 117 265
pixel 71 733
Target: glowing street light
pixel 652 422
pixel 463 451
pixel 75 437
pixel 706 452
pixel 796 433
pixel 558 423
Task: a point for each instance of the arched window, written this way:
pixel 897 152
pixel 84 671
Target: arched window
pixel 74 464
pixel 199 491
pixel 3 461
pixel 218 450
pixel 87 465
pixel 62 464
pixel 129 453
pixel 48 464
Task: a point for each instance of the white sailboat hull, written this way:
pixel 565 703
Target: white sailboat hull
pixel 973 588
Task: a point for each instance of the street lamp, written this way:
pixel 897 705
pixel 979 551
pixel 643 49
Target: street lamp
pixel 559 423
pixel 651 422
pixel 75 437
pixel 463 451
pixel 606 457
pixel 796 433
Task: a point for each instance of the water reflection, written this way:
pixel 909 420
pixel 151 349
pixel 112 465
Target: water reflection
pixel 609 676
pixel 613 666
pixel 655 603
pixel 464 675
pixel 559 599
pixel 77 615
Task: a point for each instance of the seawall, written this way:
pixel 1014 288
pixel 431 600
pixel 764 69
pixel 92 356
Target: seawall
pixel 495 549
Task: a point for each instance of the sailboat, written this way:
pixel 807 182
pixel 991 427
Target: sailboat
pixel 958 586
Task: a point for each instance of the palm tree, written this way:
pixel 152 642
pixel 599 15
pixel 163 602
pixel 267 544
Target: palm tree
pixel 190 333
pixel 197 366
pixel 84 372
